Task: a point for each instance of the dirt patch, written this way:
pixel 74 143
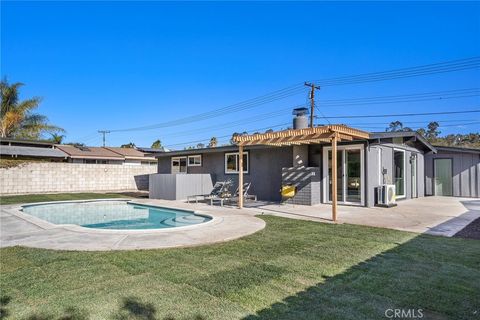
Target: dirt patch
pixel 471 231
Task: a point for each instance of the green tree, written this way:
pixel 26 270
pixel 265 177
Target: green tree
pixel 397 126
pixel 18 119
pixel 213 142
pixel 432 131
pixel 157 144
pixel 128 145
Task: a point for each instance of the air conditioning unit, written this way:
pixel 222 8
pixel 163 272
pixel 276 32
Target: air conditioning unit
pixel 386 195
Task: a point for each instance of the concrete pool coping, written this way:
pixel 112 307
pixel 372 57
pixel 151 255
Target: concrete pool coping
pixel 18 228
pixel 18 211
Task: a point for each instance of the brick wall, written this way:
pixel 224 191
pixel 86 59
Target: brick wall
pixel 307 183
pixel 43 177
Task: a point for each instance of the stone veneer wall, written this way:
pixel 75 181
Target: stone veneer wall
pixel 44 177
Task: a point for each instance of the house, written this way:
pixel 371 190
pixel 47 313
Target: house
pixel 91 155
pixel 133 156
pixel 22 149
pixel 365 161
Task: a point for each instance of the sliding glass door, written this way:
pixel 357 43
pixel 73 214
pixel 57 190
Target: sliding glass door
pixel 353 176
pixel 399 172
pixel 339 175
pixel 350 177
pixel 413 161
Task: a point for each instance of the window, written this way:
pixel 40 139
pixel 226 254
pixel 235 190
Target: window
pixel 231 162
pixel 94 161
pixel 179 165
pixel 151 163
pixel 195 161
pixel 399 172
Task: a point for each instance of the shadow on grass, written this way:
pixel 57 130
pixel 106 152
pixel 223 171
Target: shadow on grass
pixel 131 309
pixel 4 301
pixel 428 275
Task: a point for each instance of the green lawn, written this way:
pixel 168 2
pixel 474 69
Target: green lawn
pixel 291 270
pixel 56 197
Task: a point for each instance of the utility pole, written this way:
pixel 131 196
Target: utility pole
pixel 312 100
pixel 103 132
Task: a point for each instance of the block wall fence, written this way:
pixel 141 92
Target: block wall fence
pixel 44 177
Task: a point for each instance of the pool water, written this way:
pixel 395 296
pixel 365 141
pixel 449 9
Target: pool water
pixel 113 214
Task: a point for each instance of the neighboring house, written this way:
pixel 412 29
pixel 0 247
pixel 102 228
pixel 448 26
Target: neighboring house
pixel 20 149
pixel 453 171
pixel 92 155
pixel 48 151
pixel 134 156
pixel 363 165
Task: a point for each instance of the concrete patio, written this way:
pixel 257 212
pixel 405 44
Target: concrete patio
pixel 443 216
pixel 17 228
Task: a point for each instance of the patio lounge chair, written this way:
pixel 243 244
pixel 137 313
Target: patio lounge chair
pixel 219 189
pixel 222 195
pixel 246 195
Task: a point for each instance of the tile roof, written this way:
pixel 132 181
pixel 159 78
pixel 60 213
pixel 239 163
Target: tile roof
pixel 90 152
pixel 130 153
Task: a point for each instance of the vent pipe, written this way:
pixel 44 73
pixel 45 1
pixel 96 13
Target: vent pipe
pixel 300 119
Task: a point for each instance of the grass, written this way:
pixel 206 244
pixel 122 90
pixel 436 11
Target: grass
pixel 290 270
pixel 4 200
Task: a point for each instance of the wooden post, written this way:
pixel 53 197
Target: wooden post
pixel 334 177
pixel 240 177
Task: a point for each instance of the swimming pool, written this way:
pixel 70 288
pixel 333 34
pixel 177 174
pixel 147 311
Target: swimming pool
pixel 113 214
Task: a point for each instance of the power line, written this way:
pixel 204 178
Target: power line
pixel 286 124
pixel 403 114
pixel 441 67
pixel 226 136
pixel 410 122
pixel 425 96
pixel 248 104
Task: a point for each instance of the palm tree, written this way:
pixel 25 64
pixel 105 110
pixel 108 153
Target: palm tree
pixel 157 144
pixel 17 117
pixel 57 138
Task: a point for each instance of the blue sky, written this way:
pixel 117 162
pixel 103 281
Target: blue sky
pixel 114 65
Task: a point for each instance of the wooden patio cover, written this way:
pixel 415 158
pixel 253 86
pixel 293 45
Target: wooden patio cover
pixel 324 134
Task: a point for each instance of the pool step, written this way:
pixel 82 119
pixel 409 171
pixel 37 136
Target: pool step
pixel 184 220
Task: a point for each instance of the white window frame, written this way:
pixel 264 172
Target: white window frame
pixel 196 156
pixel 178 158
pixel 380 166
pixel 404 173
pixel 237 156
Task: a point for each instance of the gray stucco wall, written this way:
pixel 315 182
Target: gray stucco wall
pixel 466 173
pixel 265 170
pixel 375 178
